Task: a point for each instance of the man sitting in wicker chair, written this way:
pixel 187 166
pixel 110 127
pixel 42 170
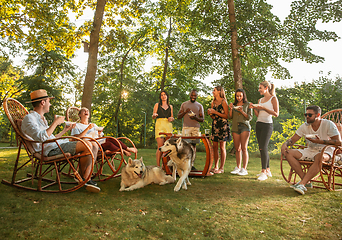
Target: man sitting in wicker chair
pixel 34 125
pixel 319 133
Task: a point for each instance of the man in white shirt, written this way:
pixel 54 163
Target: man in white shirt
pixel 319 133
pixel 35 126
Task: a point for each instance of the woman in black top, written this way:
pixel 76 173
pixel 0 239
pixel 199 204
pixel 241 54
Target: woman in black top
pixel 163 112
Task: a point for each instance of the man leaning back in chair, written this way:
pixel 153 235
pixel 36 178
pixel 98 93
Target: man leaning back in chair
pixel 319 133
pixel 35 126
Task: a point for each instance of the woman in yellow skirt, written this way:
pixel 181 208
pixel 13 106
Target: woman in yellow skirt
pixel 163 112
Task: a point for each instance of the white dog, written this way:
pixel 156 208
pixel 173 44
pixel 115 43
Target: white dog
pixel 182 155
pixel 136 175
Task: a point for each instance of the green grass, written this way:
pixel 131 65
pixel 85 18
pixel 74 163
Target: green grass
pixel 222 206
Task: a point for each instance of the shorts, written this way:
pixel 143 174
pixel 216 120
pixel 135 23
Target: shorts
pixel 191 131
pixel 162 125
pixel 68 147
pixel 308 154
pixel 241 128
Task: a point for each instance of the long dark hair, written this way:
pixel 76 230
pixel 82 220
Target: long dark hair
pixel 167 101
pixel 244 98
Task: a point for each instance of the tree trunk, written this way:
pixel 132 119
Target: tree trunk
pixel 235 46
pixel 92 58
pixel 162 84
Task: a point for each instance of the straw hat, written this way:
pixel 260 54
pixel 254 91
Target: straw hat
pixel 38 95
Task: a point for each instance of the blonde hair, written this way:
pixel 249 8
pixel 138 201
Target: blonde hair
pixel 270 86
pixel 222 93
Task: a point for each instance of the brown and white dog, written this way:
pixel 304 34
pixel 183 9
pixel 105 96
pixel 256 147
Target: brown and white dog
pixel 136 175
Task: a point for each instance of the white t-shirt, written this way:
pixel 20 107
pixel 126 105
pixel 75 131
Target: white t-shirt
pixel 80 127
pixel 326 130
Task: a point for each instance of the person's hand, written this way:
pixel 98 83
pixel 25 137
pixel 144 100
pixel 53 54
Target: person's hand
pixel 70 126
pixel 315 139
pixel 193 117
pixel 154 115
pixel 91 125
pixel 284 149
pixel 170 119
pixel 231 105
pixel 239 108
pixel 59 119
pixel 211 111
pixel 250 105
pixel 187 110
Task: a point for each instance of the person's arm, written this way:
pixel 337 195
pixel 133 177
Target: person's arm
pixel 58 120
pixel 181 112
pixel 171 118
pixel 335 140
pixel 290 142
pixel 82 134
pixel 209 111
pixel 230 113
pixel 255 109
pixel 66 128
pixel 155 109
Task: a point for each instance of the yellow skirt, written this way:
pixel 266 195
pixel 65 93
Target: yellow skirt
pixel 163 125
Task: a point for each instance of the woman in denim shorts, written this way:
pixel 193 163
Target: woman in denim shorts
pixel 241 114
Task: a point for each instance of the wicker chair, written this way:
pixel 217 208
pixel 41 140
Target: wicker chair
pixel 108 167
pixel 56 174
pixel 330 176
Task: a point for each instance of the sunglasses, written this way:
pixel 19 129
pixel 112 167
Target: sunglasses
pixel 308 114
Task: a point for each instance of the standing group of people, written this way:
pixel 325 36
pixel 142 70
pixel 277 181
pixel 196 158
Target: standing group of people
pixel 241 113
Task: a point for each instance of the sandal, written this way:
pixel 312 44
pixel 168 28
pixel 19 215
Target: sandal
pixel 213 170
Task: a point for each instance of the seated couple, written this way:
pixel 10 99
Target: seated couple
pixel 86 129
pixel 35 126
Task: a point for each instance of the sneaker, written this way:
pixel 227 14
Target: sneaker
pixel 269 174
pixel 235 171
pixel 262 177
pixel 91 187
pixel 300 189
pixel 90 181
pixel 308 185
pixel 242 172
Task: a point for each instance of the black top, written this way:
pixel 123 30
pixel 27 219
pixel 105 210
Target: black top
pixel 162 113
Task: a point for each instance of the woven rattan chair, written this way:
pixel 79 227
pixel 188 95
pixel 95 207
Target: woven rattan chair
pixel 108 167
pixel 330 176
pixel 46 174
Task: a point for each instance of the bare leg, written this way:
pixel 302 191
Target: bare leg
pixel 292 157
pixel 314 169
pixel 237 146
pixel 160 142
pixel 215 147
pixel 223 155
pixel 244 147
pixel 85 163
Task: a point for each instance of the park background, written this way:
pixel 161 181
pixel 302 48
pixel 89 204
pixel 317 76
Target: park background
pixel 294 44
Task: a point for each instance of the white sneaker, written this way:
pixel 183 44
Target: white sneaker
pixel 269 174
pixel 235 171
pixel 242 172
pixel 262 177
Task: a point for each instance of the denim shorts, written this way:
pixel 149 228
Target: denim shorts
pixel 241 128
pixel 68 147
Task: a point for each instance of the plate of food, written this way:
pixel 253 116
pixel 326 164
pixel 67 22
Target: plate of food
pixel 99 128
pixel 236 107
pixel 67 123
pixel 310 135
pixel 191 113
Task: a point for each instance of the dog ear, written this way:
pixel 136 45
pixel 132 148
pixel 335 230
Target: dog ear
pixel 141 159
pixel 130 161
pixel 179 140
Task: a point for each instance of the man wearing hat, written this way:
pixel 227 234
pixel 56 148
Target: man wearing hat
pixel 35 126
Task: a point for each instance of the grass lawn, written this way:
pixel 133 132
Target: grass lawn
pixel 222 206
